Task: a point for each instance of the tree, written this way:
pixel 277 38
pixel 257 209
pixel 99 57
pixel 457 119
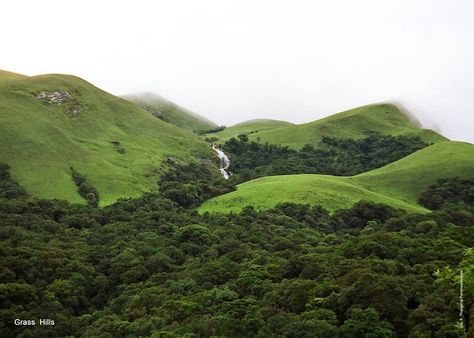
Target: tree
pixel 366 323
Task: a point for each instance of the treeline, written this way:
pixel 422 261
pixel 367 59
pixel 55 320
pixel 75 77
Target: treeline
pixel 340 157
pixel 148 267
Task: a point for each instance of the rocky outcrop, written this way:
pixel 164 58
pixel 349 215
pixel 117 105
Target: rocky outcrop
pixel 61 97
pixel 57 97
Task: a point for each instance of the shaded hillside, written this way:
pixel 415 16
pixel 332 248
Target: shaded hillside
pixel 51 123
pixel 171 112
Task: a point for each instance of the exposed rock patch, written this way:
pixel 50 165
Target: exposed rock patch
pixel 57 97
pixel 61 97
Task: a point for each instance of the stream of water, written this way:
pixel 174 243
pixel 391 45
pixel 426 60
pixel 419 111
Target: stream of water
pixel 224 161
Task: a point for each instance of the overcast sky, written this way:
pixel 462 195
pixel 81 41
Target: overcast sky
pixel 237 60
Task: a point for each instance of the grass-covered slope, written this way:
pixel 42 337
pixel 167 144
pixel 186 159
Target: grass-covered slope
pixel 355 123
pixel 252 127
pixel 397 184
pixel 407 177
pixel 117 145
pixel 171 112
pixel 330 192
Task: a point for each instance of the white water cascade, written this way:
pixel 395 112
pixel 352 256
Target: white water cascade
pixel 224 161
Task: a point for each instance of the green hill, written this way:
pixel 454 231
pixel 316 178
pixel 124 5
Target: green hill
pixel 171 112
pixel 252 127
pixel 329 191
pixel 407 177
pixel 397 184
pixel 116 144
pixel 355 123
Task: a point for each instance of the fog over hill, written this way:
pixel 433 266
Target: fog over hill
pixel 170 112
pixel 235 61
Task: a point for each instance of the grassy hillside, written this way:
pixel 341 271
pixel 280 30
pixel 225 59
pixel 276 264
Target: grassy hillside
pixel 5 76
pixel 407 177
pixel 397 184
pixel 171 112
pixel 329 191
pixel 252 127
pixel 355 123
pixel 116 144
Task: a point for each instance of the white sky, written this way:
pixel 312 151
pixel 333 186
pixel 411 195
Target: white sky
pixel 236 60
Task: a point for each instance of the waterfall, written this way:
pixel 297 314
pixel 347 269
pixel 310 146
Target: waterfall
pixel 224 161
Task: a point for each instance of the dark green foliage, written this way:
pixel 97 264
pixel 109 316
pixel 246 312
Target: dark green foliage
pixel 448 191
pixel 453 198
pixel 150 267
pixel 362 213
pixel 191 184
pixel 9 188
pixel 366 323
pixel 87 192
pixel 374 151
pixel 341 157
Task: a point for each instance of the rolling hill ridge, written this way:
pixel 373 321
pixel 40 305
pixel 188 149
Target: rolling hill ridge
pixel 356 123
pixel 54 124
pixel 50 123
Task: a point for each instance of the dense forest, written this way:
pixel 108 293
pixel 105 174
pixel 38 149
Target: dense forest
pixel 340 157
pixel 154 267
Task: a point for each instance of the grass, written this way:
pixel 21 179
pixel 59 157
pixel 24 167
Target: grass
pixel 355 123
pixel 171 112
pixel 397 184
pixel 42 141
pixel 407 177
pixel 329 191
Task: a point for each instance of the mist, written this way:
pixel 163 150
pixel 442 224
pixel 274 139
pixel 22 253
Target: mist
pixel 232 61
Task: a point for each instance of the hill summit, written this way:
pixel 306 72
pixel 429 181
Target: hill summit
pixel 383 118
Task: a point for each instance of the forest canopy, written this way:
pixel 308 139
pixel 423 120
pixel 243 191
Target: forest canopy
pixel 335 156
pixel 154 267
